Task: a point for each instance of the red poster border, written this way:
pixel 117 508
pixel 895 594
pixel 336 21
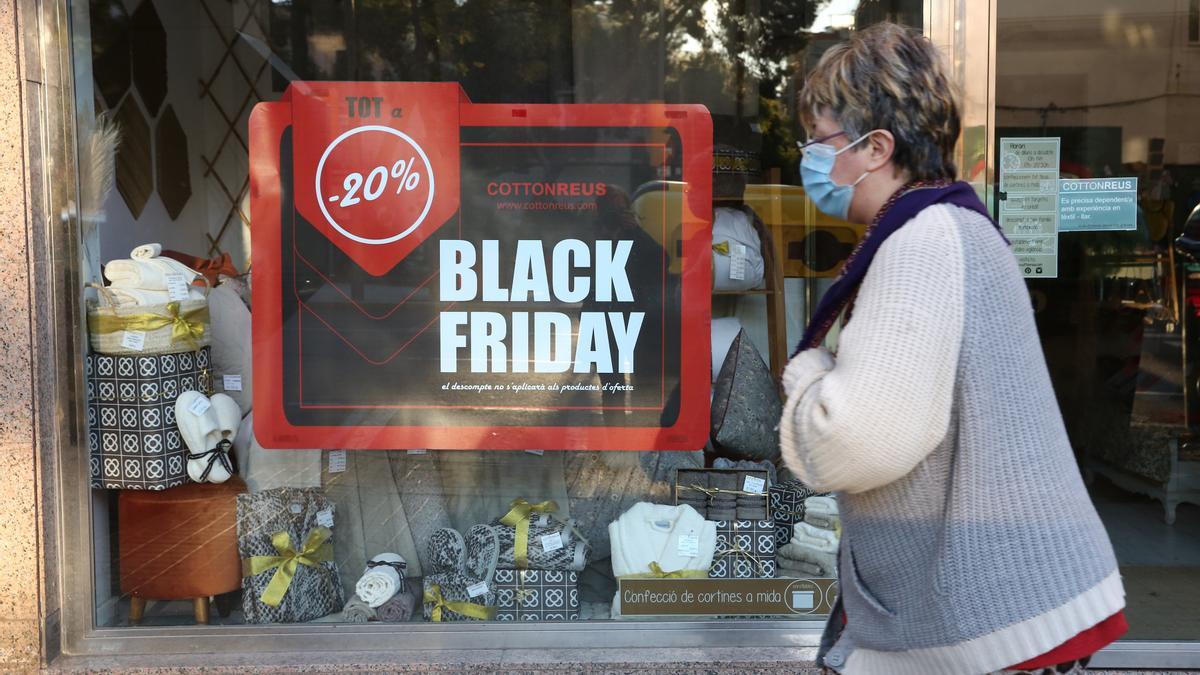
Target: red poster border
pixel 692 123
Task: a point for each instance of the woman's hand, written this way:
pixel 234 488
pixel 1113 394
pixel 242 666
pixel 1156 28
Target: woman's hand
pixel 800 371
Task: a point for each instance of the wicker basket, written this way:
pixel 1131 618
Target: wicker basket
pixel 169 328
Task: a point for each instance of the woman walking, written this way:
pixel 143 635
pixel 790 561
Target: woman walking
pixel 969 544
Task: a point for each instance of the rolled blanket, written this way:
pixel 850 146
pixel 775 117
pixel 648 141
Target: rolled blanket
pixel 357 611
pixel 822 512
pixel 146 251
pixel 382 579
pixel 399 607
pixel 148 274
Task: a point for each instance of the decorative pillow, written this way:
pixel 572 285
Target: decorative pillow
pixel 232 371
pixel 737 251
pixel 266 469
pixel 746 406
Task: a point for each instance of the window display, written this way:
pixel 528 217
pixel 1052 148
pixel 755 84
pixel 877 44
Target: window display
pixel 449 343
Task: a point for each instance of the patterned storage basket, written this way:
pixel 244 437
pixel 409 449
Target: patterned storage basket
pixel 169 328
pixel 135 444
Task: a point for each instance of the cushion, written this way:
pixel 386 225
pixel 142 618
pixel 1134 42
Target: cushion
pixel 231 344
pixel 265 469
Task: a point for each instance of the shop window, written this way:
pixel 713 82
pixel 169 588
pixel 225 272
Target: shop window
pixel 357 455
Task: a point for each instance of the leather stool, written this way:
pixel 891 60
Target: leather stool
pixel 180 544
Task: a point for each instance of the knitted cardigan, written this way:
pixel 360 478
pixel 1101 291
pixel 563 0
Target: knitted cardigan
pixel 969 542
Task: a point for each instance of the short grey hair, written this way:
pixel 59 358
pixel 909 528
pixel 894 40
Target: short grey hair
pixel 893 78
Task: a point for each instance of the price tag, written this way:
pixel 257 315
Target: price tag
pixel 134 339
pixel 325 518
pixel 476 590
pixel 539 453
pixel 232 382
pixel 689 545
pixel 417 451
pixel 737 262
pixel 200 406
pixel 754 484
pixel 337 461
pixel 177 287
pixel 295 509
pixel 552 542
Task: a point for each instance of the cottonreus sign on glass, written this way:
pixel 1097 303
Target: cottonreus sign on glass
pixel 435 273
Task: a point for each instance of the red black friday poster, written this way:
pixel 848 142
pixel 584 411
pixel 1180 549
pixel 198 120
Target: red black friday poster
pixel 433 273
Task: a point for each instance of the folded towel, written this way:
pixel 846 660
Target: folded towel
pixel 823 562
pixel 399 607
pixel 813 546
pixel 137 297
pixel 765 465
pixel 382 579
pixel 725 481
pixel 146 251
pixel 797 569
pixel 815 537
pixel 357 611
pixel 148 274
pixel 822 512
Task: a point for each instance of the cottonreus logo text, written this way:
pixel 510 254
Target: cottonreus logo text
pixel 375 184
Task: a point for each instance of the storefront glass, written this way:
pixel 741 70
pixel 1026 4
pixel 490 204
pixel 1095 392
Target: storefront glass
pixel 1097 182
pixel 475 239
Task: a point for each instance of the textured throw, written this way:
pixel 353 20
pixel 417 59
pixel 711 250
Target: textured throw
pixel 315 590
pixel 572 555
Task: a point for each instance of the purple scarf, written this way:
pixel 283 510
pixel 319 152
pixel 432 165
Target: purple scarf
pixel 902 210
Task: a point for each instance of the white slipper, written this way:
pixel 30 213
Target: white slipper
pixel 229 418
pixel 200 421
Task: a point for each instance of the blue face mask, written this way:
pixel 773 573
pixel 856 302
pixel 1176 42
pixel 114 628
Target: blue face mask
pixel 815 169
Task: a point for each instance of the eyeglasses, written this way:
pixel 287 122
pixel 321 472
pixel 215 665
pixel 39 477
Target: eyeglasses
pixel 805 145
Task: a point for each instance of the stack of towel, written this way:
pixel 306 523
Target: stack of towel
pixel 715 494
pixel 143 279
pixel 382 593
pixel 813 549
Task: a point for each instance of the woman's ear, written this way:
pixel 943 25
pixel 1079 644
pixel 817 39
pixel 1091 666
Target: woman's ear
pixel 880 147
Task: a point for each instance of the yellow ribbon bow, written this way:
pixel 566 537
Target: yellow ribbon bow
pixel 736 550
pixel 657 572
pixel 721 247
pixel 184 326
pixel 518 517
pixel 434 595
pixel 316 549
